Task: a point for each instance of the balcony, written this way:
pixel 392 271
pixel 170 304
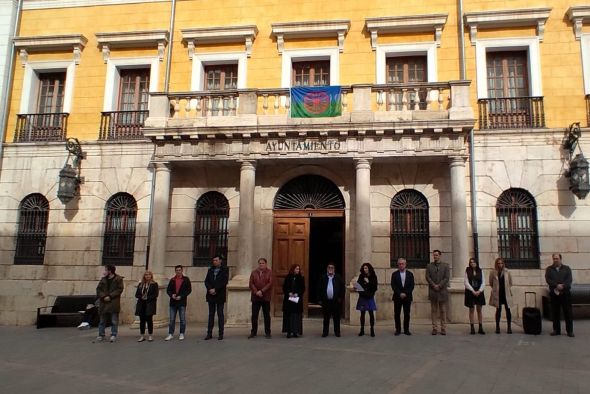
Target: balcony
pixel 371 108
pixel 41 127
pixel 588 109
pixel 122 125
pixel 511 113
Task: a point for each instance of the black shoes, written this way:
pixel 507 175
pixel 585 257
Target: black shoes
pixel 407 333
pixel 397 333
pixel 208 337
pixel 362 332
pixel 372 332
pixel 220 337
pixel 251 336
pixel 555 333
pixel 570 334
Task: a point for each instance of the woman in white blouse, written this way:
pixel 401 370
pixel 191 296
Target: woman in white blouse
pixel 474 297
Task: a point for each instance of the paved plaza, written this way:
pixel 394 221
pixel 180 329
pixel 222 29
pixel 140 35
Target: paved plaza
pixel 65 360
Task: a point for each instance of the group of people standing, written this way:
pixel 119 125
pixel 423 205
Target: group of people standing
pixel 331 291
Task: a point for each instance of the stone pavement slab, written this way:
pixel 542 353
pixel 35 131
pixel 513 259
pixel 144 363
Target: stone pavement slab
pixel 65 360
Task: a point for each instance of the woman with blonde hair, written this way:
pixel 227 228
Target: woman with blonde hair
pixel 147 295
pixel 501 283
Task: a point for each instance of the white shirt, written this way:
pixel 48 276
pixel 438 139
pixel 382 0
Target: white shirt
pixel 468 285
pixel 402 276
pixel 330 289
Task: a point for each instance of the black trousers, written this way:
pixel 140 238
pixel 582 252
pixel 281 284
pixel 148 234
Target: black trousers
pixel 265 305
pixel 331 309
pixel 398 305
pixel 559 302
pixel 214 306
pixel 143 320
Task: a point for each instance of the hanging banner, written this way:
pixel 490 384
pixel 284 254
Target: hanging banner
pixel 316 102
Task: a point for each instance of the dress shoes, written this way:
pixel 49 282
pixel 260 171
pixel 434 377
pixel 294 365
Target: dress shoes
pixel 397 333
pixel 407 333
pixel 208 337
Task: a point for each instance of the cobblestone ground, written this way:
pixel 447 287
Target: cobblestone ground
pixel 65 360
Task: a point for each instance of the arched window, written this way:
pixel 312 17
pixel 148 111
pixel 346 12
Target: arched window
pixel 518 242
pixel 410 235
pixel 119 232
pixel 33 216
pixel 211 228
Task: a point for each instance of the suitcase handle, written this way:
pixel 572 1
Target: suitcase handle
pixel 525 299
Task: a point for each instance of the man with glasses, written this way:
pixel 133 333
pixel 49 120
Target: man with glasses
pixel 331 295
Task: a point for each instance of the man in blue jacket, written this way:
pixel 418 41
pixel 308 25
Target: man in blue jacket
pixel 216 284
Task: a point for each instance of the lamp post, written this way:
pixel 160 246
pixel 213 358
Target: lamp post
pixel 578 166
pixel 69 176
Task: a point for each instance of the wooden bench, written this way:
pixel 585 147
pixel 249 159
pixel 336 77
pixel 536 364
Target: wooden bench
pixel 580 296
pixel 67 311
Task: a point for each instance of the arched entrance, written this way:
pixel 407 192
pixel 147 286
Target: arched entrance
pixel 308 230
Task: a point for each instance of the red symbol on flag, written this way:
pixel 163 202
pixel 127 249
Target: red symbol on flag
pixel 316 102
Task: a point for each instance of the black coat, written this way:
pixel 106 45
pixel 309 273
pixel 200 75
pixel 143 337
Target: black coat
pixel 147 306
pixel 407 288
pixel 293 284
pixel 218 283
pixel 369 288
pixel 338 285
pixel 185 290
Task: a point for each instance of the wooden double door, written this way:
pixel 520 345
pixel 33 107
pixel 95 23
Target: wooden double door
pixel 294 242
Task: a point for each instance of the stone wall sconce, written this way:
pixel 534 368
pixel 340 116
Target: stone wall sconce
pixel 69 176
pixel 578 166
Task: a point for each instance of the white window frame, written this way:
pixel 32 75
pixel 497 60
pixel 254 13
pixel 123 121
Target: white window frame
pixel 585 43
pixel 410 49
pixel 114 67
pixel 29 96
pixel 531 45
pixel 201 60
pixel 304 55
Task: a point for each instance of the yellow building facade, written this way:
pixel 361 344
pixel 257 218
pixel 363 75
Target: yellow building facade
pixel 182 111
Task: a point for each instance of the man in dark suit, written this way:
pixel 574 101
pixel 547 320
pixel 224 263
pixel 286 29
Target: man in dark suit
pixel 216 284
pixel 402 283
pixel 331 295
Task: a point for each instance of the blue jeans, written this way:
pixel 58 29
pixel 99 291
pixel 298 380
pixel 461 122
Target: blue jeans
pixel 114 323
pixel 181 310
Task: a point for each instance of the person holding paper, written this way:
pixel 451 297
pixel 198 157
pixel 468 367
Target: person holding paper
pixel 293 289
pixel 366 286
pixel 402 284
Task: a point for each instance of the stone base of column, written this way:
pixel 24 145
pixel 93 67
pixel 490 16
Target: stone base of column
pixel 239 308
pixel 457 312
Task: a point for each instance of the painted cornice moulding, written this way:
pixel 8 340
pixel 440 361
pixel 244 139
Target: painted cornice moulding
pixel 310 29
pixel 46 4
pixel 220 34
pixel 507 18
pixel 406 24
pixel 132 39
pixel 61 42
pixel 578 15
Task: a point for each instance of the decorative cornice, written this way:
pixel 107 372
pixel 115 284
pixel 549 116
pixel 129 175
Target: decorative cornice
pixel 61 42
pixel 405 24
pixel 131 39
pixel 306 29
pixel 222 34
pixel 506 18
pixel 47 4
pixel 578 15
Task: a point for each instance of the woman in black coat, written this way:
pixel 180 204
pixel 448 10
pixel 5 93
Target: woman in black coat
pixel 366 302
pixel 293 289
pixel 147 295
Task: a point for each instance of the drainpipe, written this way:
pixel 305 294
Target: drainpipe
pixel 8 77
pixel 166 89
pixel 472 169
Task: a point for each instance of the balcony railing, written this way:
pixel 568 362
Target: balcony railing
pixel 511 113
pixel 588 109
pixel 122 125
pixel 41 127
pixel 384 98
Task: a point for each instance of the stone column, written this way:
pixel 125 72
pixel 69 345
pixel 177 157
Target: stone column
pixel 238 292
pixel 458 216
pixel 362 211
pixel 159 233
pixel 246 261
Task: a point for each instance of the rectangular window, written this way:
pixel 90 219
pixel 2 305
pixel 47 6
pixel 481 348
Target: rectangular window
pixel 507 74
pixel 51 92
pixel 134 89
pixel 407 69
pixel 220 78
pixel 316 73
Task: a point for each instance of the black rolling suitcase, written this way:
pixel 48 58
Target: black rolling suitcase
pixel 531 317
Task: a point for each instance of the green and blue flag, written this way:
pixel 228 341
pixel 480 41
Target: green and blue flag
pixel 316 102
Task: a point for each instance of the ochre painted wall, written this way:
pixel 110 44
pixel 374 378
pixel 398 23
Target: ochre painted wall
pixel 562 78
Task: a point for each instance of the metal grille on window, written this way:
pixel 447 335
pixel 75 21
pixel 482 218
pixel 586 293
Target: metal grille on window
pixel 410 236
pixel 32 230
pixel 518 245
pixel 309 192
pixel 119 234
pixel 211 228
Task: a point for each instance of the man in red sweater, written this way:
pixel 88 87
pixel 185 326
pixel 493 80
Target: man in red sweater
pixel 260 287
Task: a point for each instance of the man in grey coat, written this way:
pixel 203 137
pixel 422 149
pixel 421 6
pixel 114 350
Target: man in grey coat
pixel 437 276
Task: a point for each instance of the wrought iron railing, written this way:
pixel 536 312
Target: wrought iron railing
pixel 122 125
pixel 511 113
pixel 588 109
pixel 41 127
